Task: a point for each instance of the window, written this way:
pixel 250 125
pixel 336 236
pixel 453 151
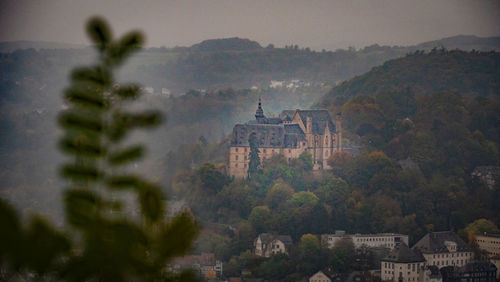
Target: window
pixel 236 149
pixel 236 157
pixel 235 165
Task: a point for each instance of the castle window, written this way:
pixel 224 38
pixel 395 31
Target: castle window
pixel 236 157
pixel 289 151
pixel 235 165
pixel 245 150
pixel 245 165
pixel 236 149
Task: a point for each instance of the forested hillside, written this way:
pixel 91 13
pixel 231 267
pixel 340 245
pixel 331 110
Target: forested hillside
pixel 469 73
pixel 412 175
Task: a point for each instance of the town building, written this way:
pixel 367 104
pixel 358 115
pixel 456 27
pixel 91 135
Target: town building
pixel 320 276
pixel 380 240
pixel 477 271
pixel 402 264
pixel 444 249
pixel 496 261
pixel 289 135
pixel 431 273
pixel 490 243
pixel 266 245
pixel 206 264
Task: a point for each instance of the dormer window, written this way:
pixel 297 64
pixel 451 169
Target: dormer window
pixel 451 246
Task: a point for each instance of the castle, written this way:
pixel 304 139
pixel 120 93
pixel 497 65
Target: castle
pixel 289 135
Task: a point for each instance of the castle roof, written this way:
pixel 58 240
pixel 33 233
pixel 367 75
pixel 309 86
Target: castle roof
pixel 436 242
pixel 277 132
pixel 320 119
pixel 403 254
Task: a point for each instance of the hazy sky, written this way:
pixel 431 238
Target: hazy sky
pixel 314 23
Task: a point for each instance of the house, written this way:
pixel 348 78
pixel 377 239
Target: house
pixel 266 244
pixel 384 240
pixel 320 276
pixel 206 264
pixel 402 264
pixel 444 249
pixel 289 135
pixel 490 243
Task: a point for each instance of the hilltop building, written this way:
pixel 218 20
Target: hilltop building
pixel 380 240
pixel 444 249
pixel 402 264
pixel 490 243
pixel 289 135
pixel 266 245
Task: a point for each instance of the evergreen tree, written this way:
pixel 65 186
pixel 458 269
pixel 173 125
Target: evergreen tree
pixel 254 164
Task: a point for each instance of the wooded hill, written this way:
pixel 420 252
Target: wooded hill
pixel 469 73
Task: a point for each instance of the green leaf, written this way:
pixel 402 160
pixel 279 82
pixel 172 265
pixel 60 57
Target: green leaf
pixel 99 32
pixel 11 235
pixel 129 43
pixel 151 200
pixel 96 76
pixel 130 91
pixel 146 119
pixel 176 239
pixel 44 245
pixel 124 181
pixel 82 146
pixel 81 122
pixel 126 155
pixel 86 97
pixel 82 207
pixel 81 172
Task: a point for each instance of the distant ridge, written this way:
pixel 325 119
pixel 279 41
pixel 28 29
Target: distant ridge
pixel 10 46
pixel 464 42
pixel 468 73
pixel 227 44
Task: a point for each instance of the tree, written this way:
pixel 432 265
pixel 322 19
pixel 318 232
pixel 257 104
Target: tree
pixel 480 226
pixel 261 218
pixel 115 245
pixel 304 162
pixel 254 164
pixel 211 178
pixel 278 194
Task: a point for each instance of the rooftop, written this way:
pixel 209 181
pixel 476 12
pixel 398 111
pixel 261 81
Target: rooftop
pixel 403 254
pixel 435 242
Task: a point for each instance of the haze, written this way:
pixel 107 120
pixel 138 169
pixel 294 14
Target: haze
pixel 317 24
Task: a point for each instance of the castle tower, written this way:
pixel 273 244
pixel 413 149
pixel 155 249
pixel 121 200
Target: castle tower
pixel 259 114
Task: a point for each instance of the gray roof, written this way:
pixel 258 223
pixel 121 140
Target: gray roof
pixel 434 242
pixel 268 238
pixel 403 254
pixel 274 133
pixel 268 135
pixel 478 266
pixel 320 118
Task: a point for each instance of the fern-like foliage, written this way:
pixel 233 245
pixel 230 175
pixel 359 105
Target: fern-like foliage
pixel 110 243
